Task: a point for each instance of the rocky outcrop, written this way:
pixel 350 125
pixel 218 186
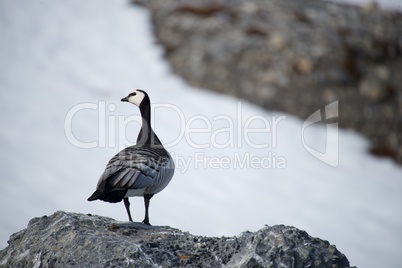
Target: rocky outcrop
pixel 293 56
pixel 78 240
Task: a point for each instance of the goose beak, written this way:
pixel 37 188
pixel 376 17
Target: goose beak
pixel 124 99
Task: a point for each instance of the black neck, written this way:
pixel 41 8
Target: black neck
pixel 147 136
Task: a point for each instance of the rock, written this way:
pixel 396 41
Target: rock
pixel 375 85
pixel 291 55
pixel 78 240
pixel 370 6
pixel 374 90
pixel 303 66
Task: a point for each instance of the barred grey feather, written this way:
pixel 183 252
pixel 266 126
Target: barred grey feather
pixel 137 168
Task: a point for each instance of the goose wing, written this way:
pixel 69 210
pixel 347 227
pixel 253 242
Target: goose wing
pixel 130 171
pixel 132 168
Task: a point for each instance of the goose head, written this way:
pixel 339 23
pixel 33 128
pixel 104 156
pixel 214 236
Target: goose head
pixel 136 97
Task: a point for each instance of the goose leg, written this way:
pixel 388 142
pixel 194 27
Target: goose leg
pixel 127 205
pixel 147 197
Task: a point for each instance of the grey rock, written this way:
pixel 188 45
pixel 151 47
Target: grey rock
pixel 292 56
pixel 79 240
pixel 374 89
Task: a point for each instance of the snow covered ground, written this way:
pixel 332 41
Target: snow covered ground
pixel 64 66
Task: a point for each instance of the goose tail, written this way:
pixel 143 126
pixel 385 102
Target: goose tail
pixel 96 195
pixel 111 197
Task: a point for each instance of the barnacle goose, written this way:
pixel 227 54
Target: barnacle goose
pixel 140 170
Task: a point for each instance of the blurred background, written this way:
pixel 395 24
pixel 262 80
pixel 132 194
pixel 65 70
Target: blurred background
pixel 65 65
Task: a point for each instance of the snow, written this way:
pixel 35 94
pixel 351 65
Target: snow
pixel 65 65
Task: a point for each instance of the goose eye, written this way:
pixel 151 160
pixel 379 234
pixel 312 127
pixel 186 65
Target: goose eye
pixel 132 94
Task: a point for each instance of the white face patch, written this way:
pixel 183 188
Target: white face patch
pixel 137 99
